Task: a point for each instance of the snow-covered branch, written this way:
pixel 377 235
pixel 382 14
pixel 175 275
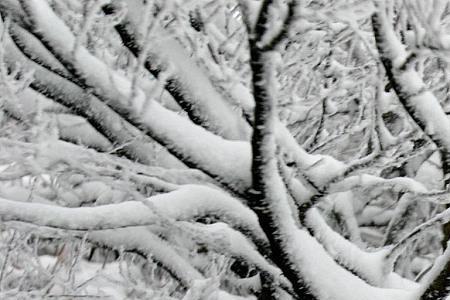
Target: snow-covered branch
pixel 184 79
pixel 423 107
pixel 146 113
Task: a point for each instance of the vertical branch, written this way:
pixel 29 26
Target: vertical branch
pixel 268 194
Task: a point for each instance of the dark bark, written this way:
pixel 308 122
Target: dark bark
pixel 438 289
pixel 379 22
pixel 174 86
pixel 404 94
pixel 264 199
pixel 263 159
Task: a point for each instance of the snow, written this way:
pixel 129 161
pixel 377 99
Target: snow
pixel 53 31
pixel 208 289
pixel 332 267
pixel 319 168
pixel 72 96
pixel 194 201
pixel 97 278
pixel 193 144
pixel 374 215
pixel 194 80
pixel 439 266
pixel 369 265
pixel 229 161
pixel 199 94
pixel 131 238
pixel 221 238
pixel 343 205
pixel 130 213
pixel 428 108
pixel 200 91
pixel 370 181
pixel 31 46
pixel 141 239
pixel 420 103
pixel 439 219
pixel 324 168
pixel 186 203
pixel 338 284
pixel 250 10
pixel 74 128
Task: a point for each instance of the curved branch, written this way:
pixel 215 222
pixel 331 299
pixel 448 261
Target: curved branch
pixel 207 108
pixel 195 146
pixel 186 203
pixel 437 282
pixel 367 265
pixel 366 181
pixel 111 216
pixel 236 245
pixel 439 219
pixel 418 101
pixel 140 239
pixel 192 201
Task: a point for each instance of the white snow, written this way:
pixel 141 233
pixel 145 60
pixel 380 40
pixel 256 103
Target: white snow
pixel 338 284
pixel 212 153
pixel 368 265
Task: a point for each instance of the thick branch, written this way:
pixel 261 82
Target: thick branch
pixel 149 115
pixel 419 102
pixel 268 195
pixel 185 80
pixel 438 279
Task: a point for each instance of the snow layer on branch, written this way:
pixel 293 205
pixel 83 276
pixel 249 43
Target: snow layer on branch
pixel 330 281
pixel 207 289
pixel 199 94
pixel 193 144
pixel 427 106
pixel 438 267
pixel 319 168
pixel 223 239
pixel 135 213
pixel 420 103
pixel 19 193
pixel 97 113
pixel 371 181
pixel 98 278
pixel 228 161
pixel 368 265
pixel 56 34
pixel 200 91
pixel 31 46
pixel 142 240
pixel 184 204
pixel 76 129
pixel 193 201
pixel 326 278
pixel 222 295
pixel 130 213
